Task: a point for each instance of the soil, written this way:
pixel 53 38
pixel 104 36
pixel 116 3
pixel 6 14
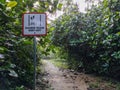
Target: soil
pixel 61 79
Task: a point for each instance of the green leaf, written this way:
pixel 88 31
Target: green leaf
pixel 12 4
pixel 1 5
pixel 105 2
pixel 2 49
pixel 2 1
pixel 26 42
pixel 59 6
pixel 13 73
pixel 118 33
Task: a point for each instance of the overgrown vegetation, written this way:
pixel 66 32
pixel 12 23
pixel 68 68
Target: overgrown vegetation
pixel 16 51
pixel 91 40
pixel 88 41
pixel 61 63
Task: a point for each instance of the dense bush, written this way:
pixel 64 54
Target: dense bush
pixel 16 66
pixel 16 51
pixel 92 39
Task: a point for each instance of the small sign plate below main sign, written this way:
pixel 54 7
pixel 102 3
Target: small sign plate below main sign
pixel 34 24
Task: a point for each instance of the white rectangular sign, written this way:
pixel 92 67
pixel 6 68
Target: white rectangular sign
pixel 34 24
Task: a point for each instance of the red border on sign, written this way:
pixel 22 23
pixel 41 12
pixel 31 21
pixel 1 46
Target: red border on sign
pixel 33 34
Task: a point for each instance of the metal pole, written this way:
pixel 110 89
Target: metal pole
pixel 34 46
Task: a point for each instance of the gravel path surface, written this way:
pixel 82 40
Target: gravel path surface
pixel 61 80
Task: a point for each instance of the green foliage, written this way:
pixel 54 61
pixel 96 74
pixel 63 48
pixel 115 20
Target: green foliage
pixel 91 40
pixel 12 4
pixel 16 51
pixel 61 63
pixel 19 88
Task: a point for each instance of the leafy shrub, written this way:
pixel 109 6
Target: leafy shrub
pixel 91 40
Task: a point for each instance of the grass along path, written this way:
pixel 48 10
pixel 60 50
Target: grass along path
pixel 60 63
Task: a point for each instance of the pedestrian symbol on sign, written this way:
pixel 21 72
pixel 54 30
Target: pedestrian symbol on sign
pixel 31 20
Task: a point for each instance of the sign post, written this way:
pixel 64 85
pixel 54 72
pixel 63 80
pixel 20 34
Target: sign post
pixel 34 24
pixel 34 47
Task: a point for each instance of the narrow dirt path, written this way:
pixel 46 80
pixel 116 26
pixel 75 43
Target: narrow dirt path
pixel 60 80
pixel 54 78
